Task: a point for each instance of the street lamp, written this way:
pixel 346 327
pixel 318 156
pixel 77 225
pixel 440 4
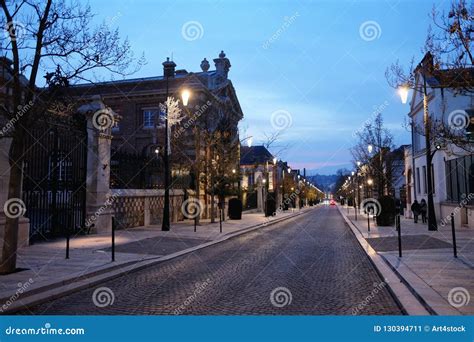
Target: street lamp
pixel 358 163
pixel 185 95
pixel 425 68
pixel 168 67
pixel 370 148
pixel 403 92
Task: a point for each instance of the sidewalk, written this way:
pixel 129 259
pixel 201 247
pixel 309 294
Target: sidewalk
pixel 441 282
pixel 46 268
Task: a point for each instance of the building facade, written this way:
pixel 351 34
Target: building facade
pixel 452 168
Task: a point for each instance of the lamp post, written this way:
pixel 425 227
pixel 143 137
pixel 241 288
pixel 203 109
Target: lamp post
pixel 424 67
pixel 168 67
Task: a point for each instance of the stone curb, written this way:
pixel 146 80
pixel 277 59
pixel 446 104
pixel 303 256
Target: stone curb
pixel 65 287
pixel 401 291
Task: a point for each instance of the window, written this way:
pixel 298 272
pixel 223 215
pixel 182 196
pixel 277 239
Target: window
pixel 251 179
pixel 425 184
pixel 418 186
pixel 459 178
pixel 149 115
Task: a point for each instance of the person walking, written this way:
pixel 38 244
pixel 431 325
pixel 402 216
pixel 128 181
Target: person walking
pixel 423 210
pixel 415 209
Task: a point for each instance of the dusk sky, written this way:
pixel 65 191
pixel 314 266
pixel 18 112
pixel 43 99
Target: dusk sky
pixel 319 64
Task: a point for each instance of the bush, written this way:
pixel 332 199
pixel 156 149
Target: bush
pixel 235 209
pixel 387 211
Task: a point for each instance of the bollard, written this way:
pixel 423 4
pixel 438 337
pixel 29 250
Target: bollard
pixel 397 222
pixel 195 223
pixel 67 242
pixel 113 238
pixel 355 211
pixel 455 250
pixel 368 222
pixel 220 220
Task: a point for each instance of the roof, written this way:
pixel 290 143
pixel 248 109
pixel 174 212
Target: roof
pixel 254 155
pixel 451 78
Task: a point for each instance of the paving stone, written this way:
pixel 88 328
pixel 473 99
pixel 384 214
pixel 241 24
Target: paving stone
pixel 315 260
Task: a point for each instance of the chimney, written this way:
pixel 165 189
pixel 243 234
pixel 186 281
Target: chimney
pixel 222 65
pixel 168 68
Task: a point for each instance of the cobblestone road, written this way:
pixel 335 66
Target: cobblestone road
pixel 311 264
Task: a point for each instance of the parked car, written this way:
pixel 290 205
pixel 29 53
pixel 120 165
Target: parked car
pixel 332 202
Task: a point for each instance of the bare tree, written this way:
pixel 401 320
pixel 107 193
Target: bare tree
pixel 272 142
pixel 380 139
pixel 47 35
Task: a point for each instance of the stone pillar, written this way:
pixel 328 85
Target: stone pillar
pixel 259 195
pixel 146 212
pixel 100 119
pixel 23 222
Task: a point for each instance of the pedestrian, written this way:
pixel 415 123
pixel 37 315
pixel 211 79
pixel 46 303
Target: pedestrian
pixel 415 209
pixel 423 209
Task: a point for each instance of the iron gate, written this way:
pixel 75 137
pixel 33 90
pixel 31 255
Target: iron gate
pixel 54 184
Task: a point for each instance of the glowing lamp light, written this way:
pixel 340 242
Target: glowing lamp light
pixel 185 95
pixel 274 161
pixel 370 181
pixel 403 92
pixel 233 171
pixel 358 163
pixel 370 148
pixel 249 142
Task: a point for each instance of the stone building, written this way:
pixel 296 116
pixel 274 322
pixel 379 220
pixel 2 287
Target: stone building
pixel 204 145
